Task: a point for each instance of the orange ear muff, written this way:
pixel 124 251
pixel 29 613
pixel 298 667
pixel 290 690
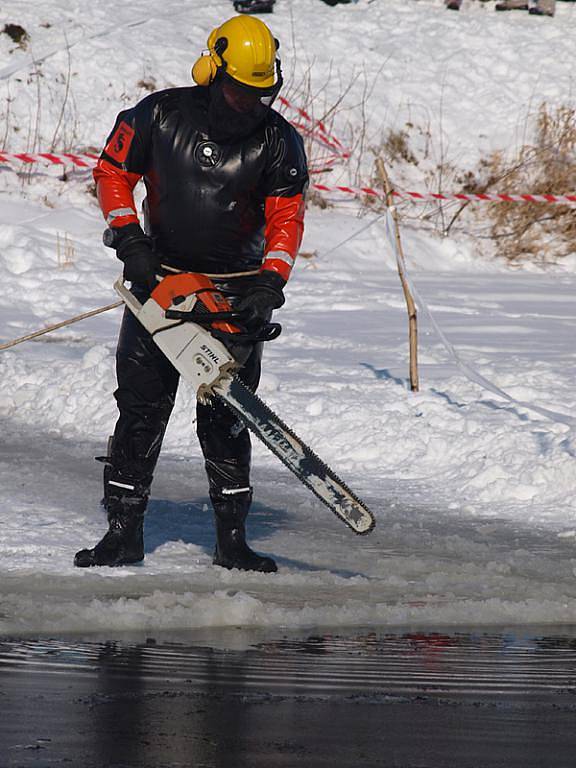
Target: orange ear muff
pixel 204 70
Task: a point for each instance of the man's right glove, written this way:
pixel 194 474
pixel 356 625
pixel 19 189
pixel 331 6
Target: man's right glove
pixel 260 299
pixel 136 250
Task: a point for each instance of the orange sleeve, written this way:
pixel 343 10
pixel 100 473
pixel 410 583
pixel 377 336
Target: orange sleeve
pixel 284 230
pixel 115 187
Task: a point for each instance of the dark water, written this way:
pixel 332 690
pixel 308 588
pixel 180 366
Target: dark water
pixel 408 699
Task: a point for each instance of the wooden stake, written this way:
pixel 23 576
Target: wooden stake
pixel 54 327
pixel 410 305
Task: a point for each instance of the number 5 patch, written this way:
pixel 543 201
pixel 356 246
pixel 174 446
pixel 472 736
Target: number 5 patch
pixel 118 146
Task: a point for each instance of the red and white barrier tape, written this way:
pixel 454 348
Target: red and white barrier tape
pixel 427 197
pixel 323 141
pixel 316 128
pixel 88 160
pixel 80 159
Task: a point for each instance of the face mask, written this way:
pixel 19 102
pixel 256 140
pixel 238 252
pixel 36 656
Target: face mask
pixel 237 110
pixel 245 98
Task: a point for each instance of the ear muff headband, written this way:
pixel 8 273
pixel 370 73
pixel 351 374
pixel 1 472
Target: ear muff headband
pixel 220 46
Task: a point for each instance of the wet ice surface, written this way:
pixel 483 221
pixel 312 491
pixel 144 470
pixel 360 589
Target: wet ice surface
pixel 426 563
pixel 411 698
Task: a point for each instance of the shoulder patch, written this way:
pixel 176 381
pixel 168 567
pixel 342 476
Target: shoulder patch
pixel 119 144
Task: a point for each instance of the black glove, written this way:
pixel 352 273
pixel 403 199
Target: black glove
pixel 260 299
pixel 136 250
pixel 141 266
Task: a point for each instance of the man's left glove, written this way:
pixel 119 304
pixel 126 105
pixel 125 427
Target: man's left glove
pixel 260 299
pixel 136 250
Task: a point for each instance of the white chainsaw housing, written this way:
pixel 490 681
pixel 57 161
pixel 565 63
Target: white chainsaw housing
pixel 201 360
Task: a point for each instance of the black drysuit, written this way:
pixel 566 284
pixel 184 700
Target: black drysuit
pixel 216 203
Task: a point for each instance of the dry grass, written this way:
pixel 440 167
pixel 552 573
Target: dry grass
pixel 548 166
pixel 540 232
pixel 396 148
pixel 147 83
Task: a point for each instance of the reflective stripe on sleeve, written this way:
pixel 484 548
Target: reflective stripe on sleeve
pixel 114 187
pixel 279 262
pixel 287 258
pixel 119 212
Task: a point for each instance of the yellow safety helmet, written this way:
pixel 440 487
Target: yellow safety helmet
pixel 245 49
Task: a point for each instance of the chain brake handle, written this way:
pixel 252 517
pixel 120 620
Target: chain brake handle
pixel 174 289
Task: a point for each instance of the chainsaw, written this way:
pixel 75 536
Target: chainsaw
pixel 194 324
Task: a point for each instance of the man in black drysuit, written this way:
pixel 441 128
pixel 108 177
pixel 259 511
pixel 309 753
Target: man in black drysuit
pixel 225 177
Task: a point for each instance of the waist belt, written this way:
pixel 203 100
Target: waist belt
pixel 221 276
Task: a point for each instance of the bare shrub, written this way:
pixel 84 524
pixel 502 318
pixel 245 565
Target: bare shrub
pixel 332 117
pixel 315 108
pixel 546 167
pixel 541 232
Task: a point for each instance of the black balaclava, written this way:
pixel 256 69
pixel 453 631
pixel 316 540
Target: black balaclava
pixel 227 124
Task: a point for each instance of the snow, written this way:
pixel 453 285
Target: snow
pixel 474 494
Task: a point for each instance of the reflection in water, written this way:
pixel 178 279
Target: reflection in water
pixel 393 698
pixel 134 723
pixel 119 681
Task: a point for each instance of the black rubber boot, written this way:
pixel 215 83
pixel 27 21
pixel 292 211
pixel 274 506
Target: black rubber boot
pixel 123 543
pixel 230 511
